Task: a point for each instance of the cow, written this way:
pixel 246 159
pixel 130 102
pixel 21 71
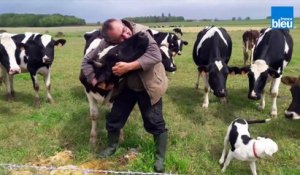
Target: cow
pixel 293 111
pixel 35 56
pixel 249 41
pixel 127 51
pixel 8 63
pixel 211 53
pixel 272 54
pixel 171 40
pixel 178 30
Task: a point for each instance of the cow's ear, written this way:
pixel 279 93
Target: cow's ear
pixel 234 70
pixel 203 69
pixel 245 70
pixel 287 80
pixel 273 73
pixel 21 46
pixel 60 42
pixel 185 42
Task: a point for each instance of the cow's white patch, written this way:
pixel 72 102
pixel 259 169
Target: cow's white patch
pixel 46 39
pixel 295 115
pixel 10 48
pixel 165 50
pixel 95 43
pixel 91 31
pixel 286 47
pixel 258 67
pixel 27 36
pixel 23 65
pixel 104 52
pixel 209 34
pixel 285 63
pixel 154 31
pixel 219 64
pixel 262 36
pixel 165 41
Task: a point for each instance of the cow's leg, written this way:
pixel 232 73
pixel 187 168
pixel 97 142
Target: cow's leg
pixel 274 93
pixel 36 88
pixel 7 82
pixel 206 91
pixel 245 56
pixel 227 161
pixel 48 85
pixel 262 103
pixel 253 167
pixel 94 115
pixel 1 76
pixel 11 82
pixel 226 139
pixel 197 81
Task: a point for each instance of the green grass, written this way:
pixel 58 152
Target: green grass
pixel 196 134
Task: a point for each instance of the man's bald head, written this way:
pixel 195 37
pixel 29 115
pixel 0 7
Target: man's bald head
pixel 114 31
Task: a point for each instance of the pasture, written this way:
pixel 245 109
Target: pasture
pixel 196 134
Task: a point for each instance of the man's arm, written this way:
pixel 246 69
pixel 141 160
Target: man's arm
pixel 151 57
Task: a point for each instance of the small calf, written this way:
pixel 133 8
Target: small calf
pixel 245 148
pixel 293 112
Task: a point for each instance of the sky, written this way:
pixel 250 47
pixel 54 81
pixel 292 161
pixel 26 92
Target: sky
pixel 100 10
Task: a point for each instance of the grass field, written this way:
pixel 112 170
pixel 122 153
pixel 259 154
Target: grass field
pixel 196 134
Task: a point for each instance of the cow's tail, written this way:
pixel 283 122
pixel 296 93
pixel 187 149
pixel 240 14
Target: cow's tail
pixel 258 121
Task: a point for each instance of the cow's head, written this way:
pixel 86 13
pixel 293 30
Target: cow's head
pixel 217 76
pixel 167 59
pixel 258 73
pixel 41 48
pixel 175 44
pixel 127 51
pixel 8 52
pixel 293 111
pixel 92 40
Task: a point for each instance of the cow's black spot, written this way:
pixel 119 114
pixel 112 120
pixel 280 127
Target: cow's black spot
pixel 241 121
pixel 245 139
pixel 233 136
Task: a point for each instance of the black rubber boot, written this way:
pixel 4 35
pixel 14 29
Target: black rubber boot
pixel 161 147
pixel 113 140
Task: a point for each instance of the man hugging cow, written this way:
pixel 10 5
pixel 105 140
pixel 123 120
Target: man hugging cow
pixel 137 76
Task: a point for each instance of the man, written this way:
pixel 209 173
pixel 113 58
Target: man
pixel 145 83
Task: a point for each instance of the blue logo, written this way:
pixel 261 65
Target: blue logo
pixel 282 17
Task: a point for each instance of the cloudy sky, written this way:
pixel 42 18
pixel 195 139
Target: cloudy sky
pixel 99 10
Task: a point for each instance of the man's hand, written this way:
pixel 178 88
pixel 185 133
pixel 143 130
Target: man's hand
pixel 121 68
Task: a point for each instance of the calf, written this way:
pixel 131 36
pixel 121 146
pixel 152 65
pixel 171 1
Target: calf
pixel 249 41
pixel 212 51
pixel 293 112
pixel 272 53
pixel 36 56
pixel 245 148
pixel 127 51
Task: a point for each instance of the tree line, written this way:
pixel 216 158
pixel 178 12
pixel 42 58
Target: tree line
pixel 162 18
pixel 38 20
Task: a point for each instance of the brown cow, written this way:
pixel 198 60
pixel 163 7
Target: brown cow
pixel 249 41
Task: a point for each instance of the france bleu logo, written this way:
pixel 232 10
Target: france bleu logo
pixel 282 17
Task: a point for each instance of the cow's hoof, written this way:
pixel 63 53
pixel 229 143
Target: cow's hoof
pixel 197 86
pixel 205 105
pixel 37 103
pixel 274 114
pixel 50 100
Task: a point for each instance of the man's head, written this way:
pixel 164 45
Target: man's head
pixel 115 32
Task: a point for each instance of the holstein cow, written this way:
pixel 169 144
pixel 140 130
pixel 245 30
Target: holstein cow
pixel 8 63
pixel 212 51
pixel 127 51
pixel 272 53
pixel 293 112
pixel 249 41
pixel 36 57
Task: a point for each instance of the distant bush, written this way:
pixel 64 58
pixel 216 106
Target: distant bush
pixel 162 18
pixel 38 20
pixel 59 34
pixel 2 31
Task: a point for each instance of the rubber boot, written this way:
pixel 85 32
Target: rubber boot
pixel 113 141
pixel 161 147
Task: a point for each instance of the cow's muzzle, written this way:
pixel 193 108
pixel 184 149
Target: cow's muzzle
pixel 254 96
pixel 13 71
pixel 47 60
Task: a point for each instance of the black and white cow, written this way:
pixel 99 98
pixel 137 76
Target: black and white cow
pixel 8 62
pixel 212 51
pixel 293 111
pixel 178 30
pixel 272 53
pixel 36 57
pixel 249 41
pixel 127 51
pixel 171 40
pixel 92 40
